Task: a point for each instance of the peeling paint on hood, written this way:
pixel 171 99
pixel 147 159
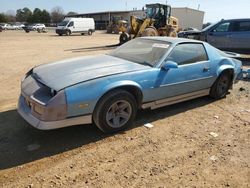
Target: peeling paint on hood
pixel 68 72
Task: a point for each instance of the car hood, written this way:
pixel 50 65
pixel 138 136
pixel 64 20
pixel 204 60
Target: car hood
pixel 190 32
pixel 68 72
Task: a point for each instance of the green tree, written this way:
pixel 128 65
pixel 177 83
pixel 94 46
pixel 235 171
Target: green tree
pixel 3 17
pixel 45 17
pixel 23 15
pixel 37 15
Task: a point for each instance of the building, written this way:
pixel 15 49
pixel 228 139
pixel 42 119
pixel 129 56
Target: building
pixel 187 17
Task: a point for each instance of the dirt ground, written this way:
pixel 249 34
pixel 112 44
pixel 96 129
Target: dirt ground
pixel 199 143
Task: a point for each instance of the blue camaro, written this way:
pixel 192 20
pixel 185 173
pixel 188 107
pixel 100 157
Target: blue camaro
pixel 107 90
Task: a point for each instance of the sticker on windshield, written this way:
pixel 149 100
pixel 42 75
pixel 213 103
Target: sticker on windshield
pixel 157 45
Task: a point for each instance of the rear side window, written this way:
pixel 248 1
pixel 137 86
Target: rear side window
pixel 242 26
pixel 188 53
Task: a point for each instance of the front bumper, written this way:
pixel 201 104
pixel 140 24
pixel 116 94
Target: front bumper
pixel 61 31
pixel 25 111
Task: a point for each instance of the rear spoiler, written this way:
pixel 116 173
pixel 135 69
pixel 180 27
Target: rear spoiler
pixel 232 54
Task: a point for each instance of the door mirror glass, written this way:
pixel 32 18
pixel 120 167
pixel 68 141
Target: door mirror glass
pixel 170 65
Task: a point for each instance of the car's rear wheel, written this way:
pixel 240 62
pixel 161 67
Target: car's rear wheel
pixel 221 85
pixel 90 32
pixel 115 111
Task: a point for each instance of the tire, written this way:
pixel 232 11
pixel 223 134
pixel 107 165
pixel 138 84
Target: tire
pixel 60 34
pixel 90 32
pixel 116 30
pixel 124 37
pixel 82 33
pixel 115 111
pixel 67 33
pixel 173 34
pixel 149 32
pixel 221 86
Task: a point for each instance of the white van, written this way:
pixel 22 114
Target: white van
pixel 76 25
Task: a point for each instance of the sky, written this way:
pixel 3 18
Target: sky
pixel 215 10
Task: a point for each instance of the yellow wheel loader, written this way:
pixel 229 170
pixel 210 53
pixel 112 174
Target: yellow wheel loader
pixel 116 25
pixel 158 22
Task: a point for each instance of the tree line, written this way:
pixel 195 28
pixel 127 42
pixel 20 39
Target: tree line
pixel 25 15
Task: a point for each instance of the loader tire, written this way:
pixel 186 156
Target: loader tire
pixel 124 37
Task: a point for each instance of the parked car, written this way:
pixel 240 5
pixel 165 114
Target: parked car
pixel 19 26
pixel 225 34
pixel 107 90
pixel 76 25
pixel 190 29
pixel 34 27
pixel 6 26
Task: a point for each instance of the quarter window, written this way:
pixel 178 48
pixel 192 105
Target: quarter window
pixel 188 53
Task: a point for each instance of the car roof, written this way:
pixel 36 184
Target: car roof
pixel 237 19
pixel 173 40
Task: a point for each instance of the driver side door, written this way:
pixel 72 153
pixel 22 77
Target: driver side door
pixel 193 73
pixel 220 36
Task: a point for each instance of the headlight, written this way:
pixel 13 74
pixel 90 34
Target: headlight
pixel 55 109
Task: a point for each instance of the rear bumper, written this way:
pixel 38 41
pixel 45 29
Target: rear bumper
pixel 24 110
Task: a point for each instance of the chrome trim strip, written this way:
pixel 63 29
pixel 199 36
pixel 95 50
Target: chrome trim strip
pixel 175 99
pixel 198 79
pixel 197 62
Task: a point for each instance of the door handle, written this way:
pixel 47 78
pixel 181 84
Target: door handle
pixel 206 69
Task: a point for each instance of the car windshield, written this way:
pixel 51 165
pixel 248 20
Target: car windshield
pixel 63 23
pixel 208 27
pixel 142 51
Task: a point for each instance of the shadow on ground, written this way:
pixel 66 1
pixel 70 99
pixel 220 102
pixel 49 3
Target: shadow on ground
pixel 20 143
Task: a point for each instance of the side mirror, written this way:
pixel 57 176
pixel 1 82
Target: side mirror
pixel 170 65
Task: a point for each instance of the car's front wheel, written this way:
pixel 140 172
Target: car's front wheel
pixel 221 86
pixel 115 111
pixel 67 33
